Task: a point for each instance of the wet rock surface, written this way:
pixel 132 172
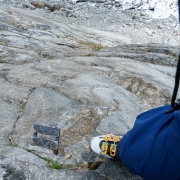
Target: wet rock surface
pixel 86 81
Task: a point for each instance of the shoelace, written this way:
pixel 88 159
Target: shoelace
pixel 175 106
pixel 109 144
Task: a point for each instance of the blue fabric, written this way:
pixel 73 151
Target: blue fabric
pixel 152 148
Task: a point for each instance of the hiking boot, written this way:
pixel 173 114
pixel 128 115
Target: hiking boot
pixel 106 145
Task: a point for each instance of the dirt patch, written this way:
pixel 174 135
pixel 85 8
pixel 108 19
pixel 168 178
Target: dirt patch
pixel 84 123
pixel 145 91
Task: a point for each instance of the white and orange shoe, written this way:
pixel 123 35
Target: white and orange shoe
pixel 106 145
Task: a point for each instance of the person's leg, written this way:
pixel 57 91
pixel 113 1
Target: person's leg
pixel 151 148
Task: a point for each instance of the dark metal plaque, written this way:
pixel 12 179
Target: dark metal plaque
pixel 49 144
pixel 46 130
pixel 46 143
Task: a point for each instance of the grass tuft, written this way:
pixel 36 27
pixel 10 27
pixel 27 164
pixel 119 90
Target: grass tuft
pixel 53 165
pixel 97 47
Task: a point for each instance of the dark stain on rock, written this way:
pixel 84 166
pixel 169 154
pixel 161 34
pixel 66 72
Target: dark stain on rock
pixel 94 165
pixel 13 174
pixel 145 91
pixel 95 175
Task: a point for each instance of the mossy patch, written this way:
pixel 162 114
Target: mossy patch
pixel 175 57
pixel 55 165
pixel 13 145
pixel 86 44
pixel 97 47
pixel 88 55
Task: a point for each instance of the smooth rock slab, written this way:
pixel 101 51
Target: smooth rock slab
pixel 143 79
pixel 115 170
pixel 47 107
pixel 19 164
pixel 152 53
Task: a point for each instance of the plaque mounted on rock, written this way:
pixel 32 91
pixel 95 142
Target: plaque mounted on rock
pixel 42 141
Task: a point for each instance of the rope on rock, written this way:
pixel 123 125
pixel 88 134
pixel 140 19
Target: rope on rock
pixel 176 86
pixel 176 106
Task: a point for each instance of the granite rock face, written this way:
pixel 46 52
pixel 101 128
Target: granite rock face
pixel 78 79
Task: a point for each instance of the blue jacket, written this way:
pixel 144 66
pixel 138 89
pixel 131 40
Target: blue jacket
pixel 152 148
